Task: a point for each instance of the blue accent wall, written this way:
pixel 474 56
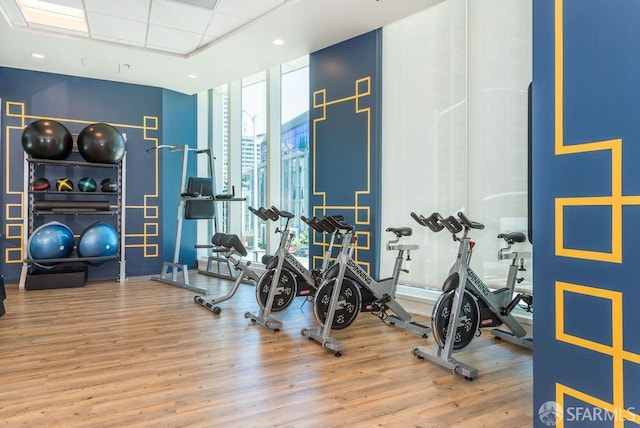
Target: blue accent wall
pixel 586 212
pixel 344 116
pixel 140 112
pixel 179 131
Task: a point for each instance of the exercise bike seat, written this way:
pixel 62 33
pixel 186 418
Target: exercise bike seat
pixel 512 237
pixel 400 231
pixel 266 259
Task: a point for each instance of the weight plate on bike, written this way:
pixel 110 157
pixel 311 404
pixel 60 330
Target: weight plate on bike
pixel 349 303
pixel 286 290
pixel 467 326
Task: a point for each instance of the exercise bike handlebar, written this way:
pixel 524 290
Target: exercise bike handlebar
pixel 470 224
pixel 433 222
pixel 339 223
pixel 257 213
pixel 264 213
pixel 313 223
pixel 281 213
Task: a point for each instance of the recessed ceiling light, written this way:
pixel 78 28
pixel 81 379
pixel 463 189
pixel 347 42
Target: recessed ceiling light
pixel 37 55
pixel 52 14
pixel 192 76
pixel 278 42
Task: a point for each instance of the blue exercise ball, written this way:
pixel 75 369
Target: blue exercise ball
pixel 47 139
pixel 98 240
pixel 52 240
pixel 101 143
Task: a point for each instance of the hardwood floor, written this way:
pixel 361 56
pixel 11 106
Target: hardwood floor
pixel 143 354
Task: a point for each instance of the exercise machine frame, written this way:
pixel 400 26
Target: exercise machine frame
pixel 338 300
pixel 467 303
pixel 285 277
pixel 232 249
pixel 173 272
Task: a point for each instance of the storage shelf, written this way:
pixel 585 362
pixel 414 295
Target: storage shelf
pixel 72 259
pixel 74 212
pixel 56 193
pixel 72 163
pixel 74 203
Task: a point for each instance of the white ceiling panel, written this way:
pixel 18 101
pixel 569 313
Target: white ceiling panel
pixel 105 27
pixel 205 41
pixel 138 10
pixel 61 31
pixel 69 3
pixel 99 64
pixel 219 51
pixel 207 4
pixel 247 8
pixel 180 16
pixel 222 24
pixel 12 12
pixel 172 40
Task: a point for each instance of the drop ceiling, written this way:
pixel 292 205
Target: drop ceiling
pixel 162 42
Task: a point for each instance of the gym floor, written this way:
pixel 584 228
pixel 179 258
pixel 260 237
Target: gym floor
pixel 144 354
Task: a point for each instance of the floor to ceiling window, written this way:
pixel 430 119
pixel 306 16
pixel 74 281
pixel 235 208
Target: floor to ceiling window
pixel 455 80
pixel 253 160
pixel 295 151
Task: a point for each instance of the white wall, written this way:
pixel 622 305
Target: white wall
pixel 455 128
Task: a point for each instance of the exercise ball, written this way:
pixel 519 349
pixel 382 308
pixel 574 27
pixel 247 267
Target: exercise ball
pixel 101 143
pixel 47 139
pixel 40 184
pixel 98 240
pixel 87 184
pixel 52 240
pixel 108 185
pixel 64 185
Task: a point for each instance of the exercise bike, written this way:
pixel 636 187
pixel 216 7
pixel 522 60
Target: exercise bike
pixel 286 278
pixel 232 249
pixel 348 289
pixel 467 304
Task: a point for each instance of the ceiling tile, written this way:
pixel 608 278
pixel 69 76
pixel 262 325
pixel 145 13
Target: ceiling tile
pixel 69 3
pixel 179 16
pixel 247 8
pixel 172 40
pixel 100 64
pixel 137 10
pixel 105 27
pixel 207 4
pixel 222 24
pixel 12 12
pixel 206 40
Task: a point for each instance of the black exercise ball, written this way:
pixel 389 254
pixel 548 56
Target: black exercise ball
pixel 108 185
pixel 47 139
pixel 40 184
pixel 101 143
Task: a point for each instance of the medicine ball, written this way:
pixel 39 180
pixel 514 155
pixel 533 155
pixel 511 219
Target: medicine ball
pixel 52 240
pixel 87 184
pixel 108 185
pixel 101 143
pixel 47 139
pixel 40 184
pixel 64 185
pixel 98 240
